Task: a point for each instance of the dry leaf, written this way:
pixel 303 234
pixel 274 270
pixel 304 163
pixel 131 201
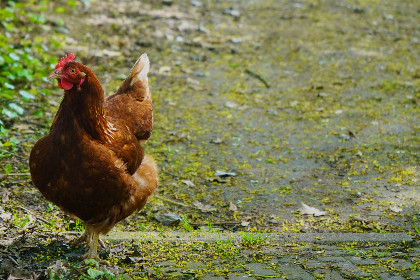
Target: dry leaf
pixel 308 210
pixel 203 207
pixel 231 104
pixel 224 174
pixel 5 216
pixel 168 219
pixel 395 208
pixel 232 207
pixel 188 183
pixel 216 141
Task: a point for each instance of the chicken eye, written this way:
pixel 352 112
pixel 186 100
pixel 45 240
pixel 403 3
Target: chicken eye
pixel 73 71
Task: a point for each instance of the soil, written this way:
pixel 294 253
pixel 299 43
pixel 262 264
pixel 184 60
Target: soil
pixel 259 106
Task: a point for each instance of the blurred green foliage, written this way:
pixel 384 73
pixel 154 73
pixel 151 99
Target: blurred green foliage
pixel 25 61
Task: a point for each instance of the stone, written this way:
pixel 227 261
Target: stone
pixel 331 259
pixel 213 277
pixel 315 264
pixel 414 275
pixel 294 272
pixel 240 276
pixel 194 265
pixel 258 269
pixel 389 276
pixel 166 264
pixel 351 270
pixel 360 261
pixel 402 264
pixel 327 274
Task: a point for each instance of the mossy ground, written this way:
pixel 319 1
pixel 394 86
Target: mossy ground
pixel 314 102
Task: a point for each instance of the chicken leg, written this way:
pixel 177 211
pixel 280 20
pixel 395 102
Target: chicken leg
pixel 85 237
pixel 92 243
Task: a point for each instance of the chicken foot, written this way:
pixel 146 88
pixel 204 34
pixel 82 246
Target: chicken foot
pixel 92 253
pixel 85 237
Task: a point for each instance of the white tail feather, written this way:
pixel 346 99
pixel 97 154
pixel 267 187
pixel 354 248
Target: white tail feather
pixel 140 71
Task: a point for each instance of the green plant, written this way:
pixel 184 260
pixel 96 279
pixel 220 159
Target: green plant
pixel 20 221
pixel 210 225
pixel 251 239
pixel 8 145
pixel 415 227
pixel 187 226
pixel 7 169
pixel 25 61
pixel 20 64
pixel 226 247
pixel 76 225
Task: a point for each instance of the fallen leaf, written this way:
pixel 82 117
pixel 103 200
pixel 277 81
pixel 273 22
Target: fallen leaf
pixel 232 12
pixel 216 141
pixel 308 210
pixel 5 196
pixel 186 26
pixel 191 81
pixel 224 174
pixel 219 179
pixel 196 3
pixel 164 69
pixel 231 104
pixel 232 207
pixel 168 219
pixel 6 216
pixel 203 207
pixel 23 128
pixel 293 103
pixel 344 136
pixel 395 208
pixel 188 183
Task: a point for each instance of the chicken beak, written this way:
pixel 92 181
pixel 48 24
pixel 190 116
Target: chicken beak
pixel 54 75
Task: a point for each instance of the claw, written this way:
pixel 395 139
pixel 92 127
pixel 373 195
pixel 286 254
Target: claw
pixel 92 253
pixel 101 243
pixel 88 256
pixel 83 238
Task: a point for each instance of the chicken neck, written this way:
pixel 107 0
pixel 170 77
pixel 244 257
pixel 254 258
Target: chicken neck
pixel 83 109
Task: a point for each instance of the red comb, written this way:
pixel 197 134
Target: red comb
pixel 67 58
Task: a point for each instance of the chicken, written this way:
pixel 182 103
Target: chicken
pixel 91 163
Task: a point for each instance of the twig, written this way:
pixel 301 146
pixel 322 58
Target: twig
pixel 39 217
pixel 77 270
pixel 173 201
pixel 29 211
pixel 5 176
pixel 19 181
pixel 13 260
pixel 258 77
pixel 15 174
pixel 222 223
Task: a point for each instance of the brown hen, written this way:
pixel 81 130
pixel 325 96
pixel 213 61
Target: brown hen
pixel 91 163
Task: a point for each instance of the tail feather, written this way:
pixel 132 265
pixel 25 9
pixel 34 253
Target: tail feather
pixel 139 73
pixel 137 84
pixel 133 101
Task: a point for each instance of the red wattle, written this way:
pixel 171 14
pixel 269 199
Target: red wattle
pixel 66 84
pixel 59 84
